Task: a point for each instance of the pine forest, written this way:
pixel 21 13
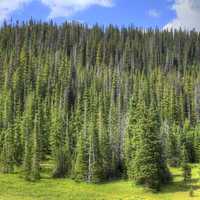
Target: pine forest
pixel 99 103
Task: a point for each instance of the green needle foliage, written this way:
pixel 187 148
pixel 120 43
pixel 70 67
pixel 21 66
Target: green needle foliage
pixel 101 103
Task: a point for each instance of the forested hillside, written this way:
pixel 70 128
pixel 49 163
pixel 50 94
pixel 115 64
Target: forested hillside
pixel 102 103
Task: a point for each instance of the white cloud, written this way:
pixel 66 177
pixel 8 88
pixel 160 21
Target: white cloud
pixel 8 6
pixel 154 13
pixel 187 15
pixel 58 8
pixel 65 8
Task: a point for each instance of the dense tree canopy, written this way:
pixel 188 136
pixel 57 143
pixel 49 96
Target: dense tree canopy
pixel 102 103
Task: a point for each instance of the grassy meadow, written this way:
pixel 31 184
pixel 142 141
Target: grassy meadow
pixel 13 187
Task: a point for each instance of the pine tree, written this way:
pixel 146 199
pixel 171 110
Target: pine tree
pixel 104 143
pixel 27 128
pixel 35 169
pixel 18 142
pixel 80 172
pixel 64 96
pixel 197 143
pixel 187 172
pixel 115 131
pixel 132 136
pixel 7 158
pixel 174 146
pixel 58 143
pixel 150 165
pixel 95 163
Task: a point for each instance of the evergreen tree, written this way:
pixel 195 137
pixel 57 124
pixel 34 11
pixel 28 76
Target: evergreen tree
pixel 150 165
pixel 64 96
pixel 132 136
pixel 94 163
pixel 58 143
pixel 104 143
pixel 174 153
pixel 7 158
pixel 35 170
pixel 18 142
pixel 80 172
pixel 187 172
pixel 27 128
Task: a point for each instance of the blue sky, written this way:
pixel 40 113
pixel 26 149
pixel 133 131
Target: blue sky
pixel 142 13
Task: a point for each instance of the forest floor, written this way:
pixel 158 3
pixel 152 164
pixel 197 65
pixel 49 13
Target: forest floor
pixel 13 187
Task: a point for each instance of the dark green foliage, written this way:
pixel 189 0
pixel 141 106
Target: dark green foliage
pixel 132 137
pixel 187 171
pixel 95 174
pixel 35 171
pixel 174 148
pixel 59 144
pixel 80 171
pixel 27 128
pixel 150 166
pixel 64 96
pixel 18 142
pixel 7 157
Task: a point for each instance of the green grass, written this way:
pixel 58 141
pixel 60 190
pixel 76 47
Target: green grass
pixel 13 187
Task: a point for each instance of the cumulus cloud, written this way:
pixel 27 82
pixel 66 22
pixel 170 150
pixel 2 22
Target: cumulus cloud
pixel 154 13
pixel 8 6
pixel 187 15
pixel 58 8
pixel 65 8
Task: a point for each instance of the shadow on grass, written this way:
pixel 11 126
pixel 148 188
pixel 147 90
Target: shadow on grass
pixel 179 186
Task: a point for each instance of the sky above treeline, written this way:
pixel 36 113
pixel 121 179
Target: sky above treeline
pixel 140 13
